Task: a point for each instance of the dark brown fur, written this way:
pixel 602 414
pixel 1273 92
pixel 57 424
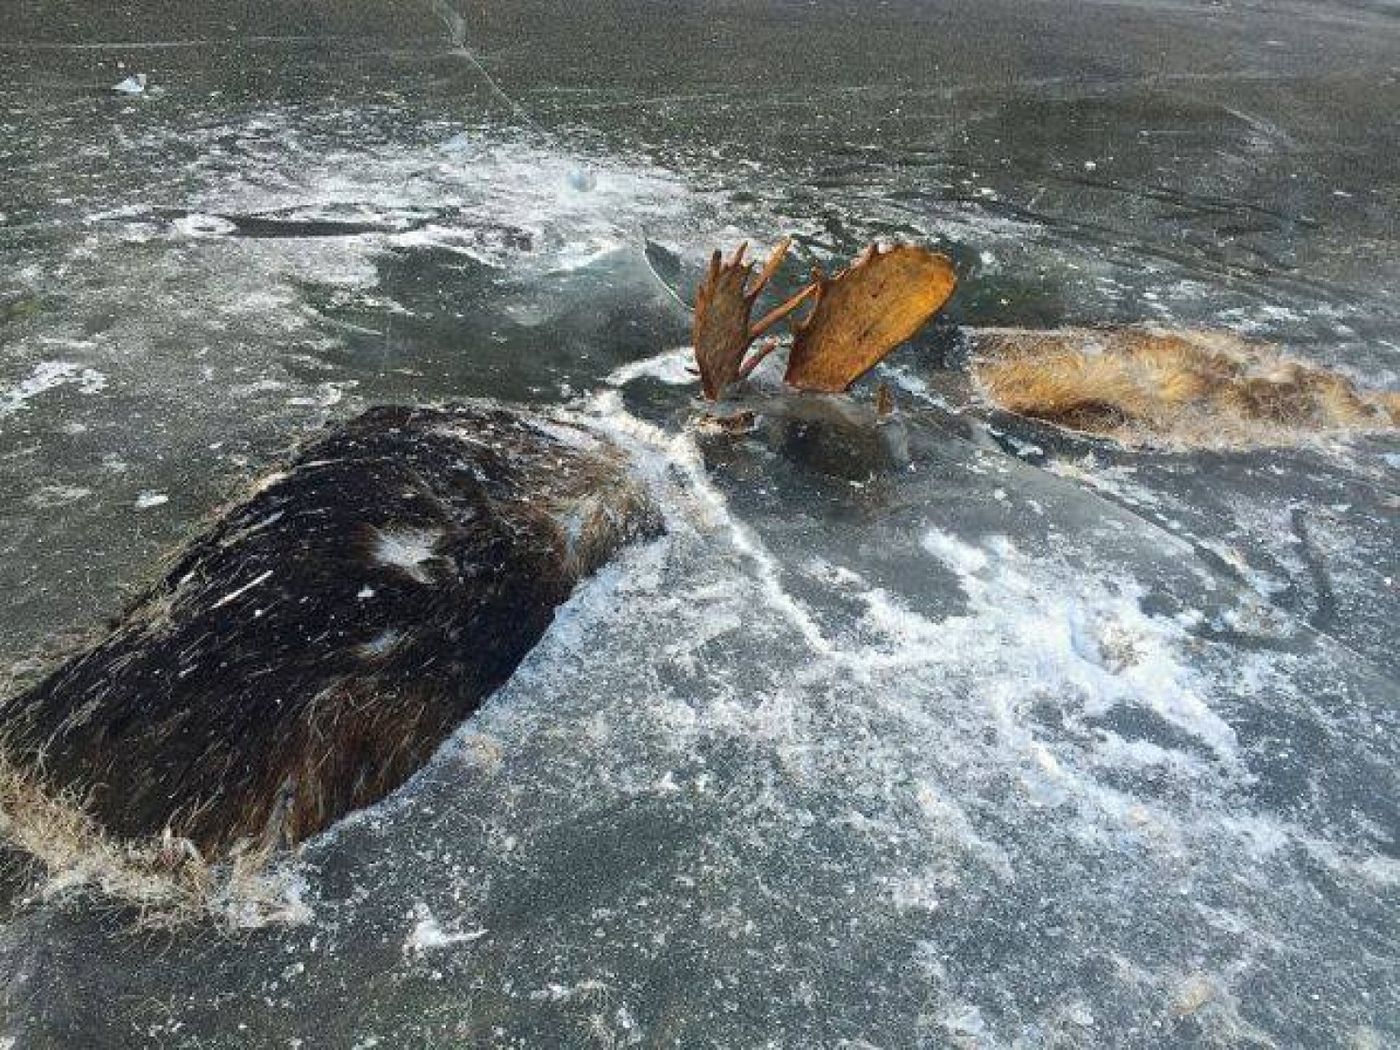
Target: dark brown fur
pixel 309 652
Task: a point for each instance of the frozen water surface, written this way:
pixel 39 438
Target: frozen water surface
pixel 951 731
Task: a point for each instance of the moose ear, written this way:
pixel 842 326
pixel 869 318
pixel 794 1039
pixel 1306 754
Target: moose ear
pixel 864 312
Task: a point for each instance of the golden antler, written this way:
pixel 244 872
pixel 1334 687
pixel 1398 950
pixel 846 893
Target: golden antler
pixel 722 332
pixel 864 312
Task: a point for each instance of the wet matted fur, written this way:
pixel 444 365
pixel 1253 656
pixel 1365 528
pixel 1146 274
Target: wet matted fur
pixel 311 650
pixel 1186 388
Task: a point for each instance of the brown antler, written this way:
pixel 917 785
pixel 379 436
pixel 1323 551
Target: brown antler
pixel 722 332
pixel 864 312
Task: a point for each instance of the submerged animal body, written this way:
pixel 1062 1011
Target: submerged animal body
pixel 1187 388
pixel 309 652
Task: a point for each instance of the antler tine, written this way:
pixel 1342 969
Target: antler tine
pixel 776 314
pixel 775 260
pixel 746 369
pixel 816 288
pixel 706 289
pixel 739 254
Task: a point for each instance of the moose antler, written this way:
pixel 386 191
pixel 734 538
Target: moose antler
pixel 864 312
pixel 722 332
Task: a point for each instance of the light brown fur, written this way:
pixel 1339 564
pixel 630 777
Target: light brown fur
pixel 1193 388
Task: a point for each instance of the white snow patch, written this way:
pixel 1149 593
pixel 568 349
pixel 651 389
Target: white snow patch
pixel 381 644
pixel 670 367
pixel 132 85
pixel 962 558
pixel 558 993
pixel 49 496
pixel 198 224
pixel 428 934
pixel 407 549
pixel 48 375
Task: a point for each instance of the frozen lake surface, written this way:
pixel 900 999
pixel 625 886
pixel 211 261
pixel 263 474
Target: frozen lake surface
pixel 956 731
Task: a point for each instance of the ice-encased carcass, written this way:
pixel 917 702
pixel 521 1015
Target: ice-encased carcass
pixel 310 651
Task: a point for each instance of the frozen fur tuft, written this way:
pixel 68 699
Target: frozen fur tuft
pixel 1182 388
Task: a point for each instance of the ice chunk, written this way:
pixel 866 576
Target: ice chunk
pixel 132 85
pixel 197 224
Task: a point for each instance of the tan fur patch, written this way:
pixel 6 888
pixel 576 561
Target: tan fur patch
pixel 164 879
pixel 1154 386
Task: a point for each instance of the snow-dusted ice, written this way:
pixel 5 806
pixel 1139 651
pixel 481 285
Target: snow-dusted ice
pixel 951 730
